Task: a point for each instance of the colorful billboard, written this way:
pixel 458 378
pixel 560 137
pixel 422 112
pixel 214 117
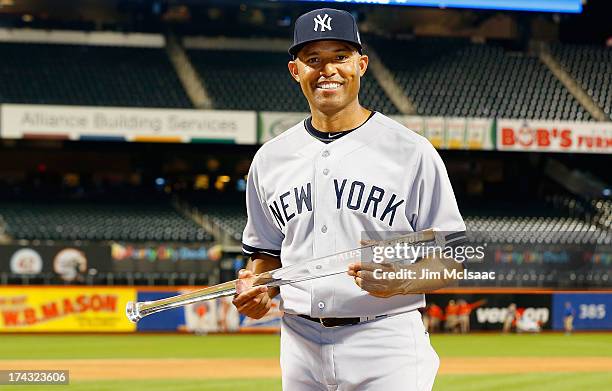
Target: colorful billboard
pixel 590 311
pixel 442 132
pixel 211 316
pixel 65 309
pixel 128 124
pixel 554 136
pixel 69 263
pixel 490 311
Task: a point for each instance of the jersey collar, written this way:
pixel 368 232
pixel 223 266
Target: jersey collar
pixel 357 138
pixel 328 137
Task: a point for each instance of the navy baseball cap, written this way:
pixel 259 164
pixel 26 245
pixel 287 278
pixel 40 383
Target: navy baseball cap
pixel 325 24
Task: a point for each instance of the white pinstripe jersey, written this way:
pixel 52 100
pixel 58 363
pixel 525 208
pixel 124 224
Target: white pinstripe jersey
pixel 307 199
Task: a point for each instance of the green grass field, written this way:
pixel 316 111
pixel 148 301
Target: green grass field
pixel 49 347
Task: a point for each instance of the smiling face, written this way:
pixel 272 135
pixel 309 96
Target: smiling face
pixel 329 74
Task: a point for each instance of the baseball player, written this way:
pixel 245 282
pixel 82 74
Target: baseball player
pixel 568 318
pixel 312 191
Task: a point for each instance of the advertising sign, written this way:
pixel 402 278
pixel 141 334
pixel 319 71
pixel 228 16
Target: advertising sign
pixel 451 132
pixel 443 133
pixel 65 309
pixel 492 311
pixel 68 262
pixel 554 136
pixel 211 316
pixel 274 123
pixel 590 311
pixel 128 124
pixel 569 6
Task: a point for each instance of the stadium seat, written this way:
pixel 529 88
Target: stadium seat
pixel 101 221
pixel 85 75
pixel 603 212
pixel 534 230
pixel 455 77
pixel 591 66
pixel 247 80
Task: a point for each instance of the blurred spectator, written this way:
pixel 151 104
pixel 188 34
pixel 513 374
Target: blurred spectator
pixel 452 318
pixel 463 314
pixel 510 318
pixel 433 317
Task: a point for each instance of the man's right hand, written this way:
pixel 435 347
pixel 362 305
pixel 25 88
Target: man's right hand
pixel 254 302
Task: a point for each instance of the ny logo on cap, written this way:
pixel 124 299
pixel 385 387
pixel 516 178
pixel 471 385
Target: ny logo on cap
pixel 324 22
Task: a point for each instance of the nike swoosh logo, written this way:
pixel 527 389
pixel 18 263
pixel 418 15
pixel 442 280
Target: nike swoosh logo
pixel 329 135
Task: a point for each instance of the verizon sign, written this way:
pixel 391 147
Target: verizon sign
pixel 499 315
pixel 554 136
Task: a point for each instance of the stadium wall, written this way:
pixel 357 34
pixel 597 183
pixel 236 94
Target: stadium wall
pixel 250 127
pixel 35 309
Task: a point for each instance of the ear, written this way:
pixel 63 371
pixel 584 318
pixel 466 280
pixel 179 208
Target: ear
pixel 363 64
pixel 293 70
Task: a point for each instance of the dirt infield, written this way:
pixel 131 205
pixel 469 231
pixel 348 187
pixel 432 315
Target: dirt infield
pixel 485 365
pixel 100 369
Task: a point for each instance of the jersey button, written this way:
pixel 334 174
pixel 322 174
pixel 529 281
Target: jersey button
pixel 321 305
pixel 326 171
pixel 324 228
pixel 325 153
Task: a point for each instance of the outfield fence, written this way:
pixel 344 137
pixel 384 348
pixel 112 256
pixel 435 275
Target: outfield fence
pixel 33 309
